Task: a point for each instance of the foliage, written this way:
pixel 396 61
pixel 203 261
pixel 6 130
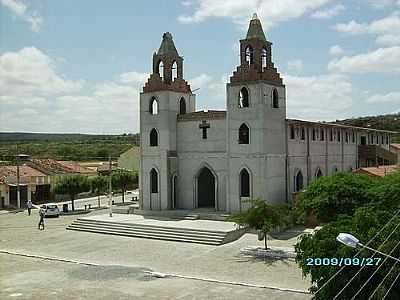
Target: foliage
pixel 386 193
pixel 69 149
pixel 72 185
pixel 330 196
pixel 375 202
pixel 99 186
pixel 262 216
pixel 123 179
pixel 365 223
pixel 384 122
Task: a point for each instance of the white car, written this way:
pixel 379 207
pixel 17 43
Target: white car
pixel 51 210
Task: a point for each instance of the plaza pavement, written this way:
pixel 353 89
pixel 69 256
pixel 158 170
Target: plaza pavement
pixel 121 262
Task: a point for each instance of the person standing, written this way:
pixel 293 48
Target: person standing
pixel 41 215
pixel 29 205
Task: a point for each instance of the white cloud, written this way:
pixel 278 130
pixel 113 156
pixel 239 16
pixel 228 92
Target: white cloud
pixel 383 3
pixel 336 50
pixel 200 81
pixel 329 12
pixel 387 29
pixel 21 10
pixel 389 97
pixel 30 71
pixel 323 97
pixel 134 77
pixel 380 60
pixel 295 65
pixel 271 12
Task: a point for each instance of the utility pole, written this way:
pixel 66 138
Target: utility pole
pixel 109 185
pixel 18 190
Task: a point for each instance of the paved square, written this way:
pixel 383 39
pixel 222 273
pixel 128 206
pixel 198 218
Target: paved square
pixel 122 263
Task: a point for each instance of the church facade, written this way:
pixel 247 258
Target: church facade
pixel 219 159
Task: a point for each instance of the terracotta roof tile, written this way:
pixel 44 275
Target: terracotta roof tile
pixel 380 171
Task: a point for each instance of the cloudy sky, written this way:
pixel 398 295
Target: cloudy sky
pixel 78 66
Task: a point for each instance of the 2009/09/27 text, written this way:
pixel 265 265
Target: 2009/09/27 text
pixel 343 261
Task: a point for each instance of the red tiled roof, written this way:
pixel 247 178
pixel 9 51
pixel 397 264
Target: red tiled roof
pixel 24 170
pixel 203 115
pixel 75 167
pixel 380 171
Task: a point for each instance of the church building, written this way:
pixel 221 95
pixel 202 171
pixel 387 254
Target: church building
pixel 219 159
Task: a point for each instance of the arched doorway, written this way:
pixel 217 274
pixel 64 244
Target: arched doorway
pixel 205 188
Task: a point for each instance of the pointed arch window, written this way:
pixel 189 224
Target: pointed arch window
pixel 174 71
pixel 244 133
pixel 264 58
pixel 244 183
pixel 154 181
pixel 153 106
pixel 243 97
pixel 160 68
pixel 298 181
pixel 153 138
pixel 249 58
pixel 275 99
pixel 303 133
pixel 318 174
pixel 182 106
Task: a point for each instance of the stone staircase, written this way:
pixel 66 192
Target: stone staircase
pixel 208 237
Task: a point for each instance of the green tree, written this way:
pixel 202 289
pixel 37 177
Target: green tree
pixel 99 186
pixel 263 217
pixel 330 196
pixel 72 185
pixel 123 179
pixel 364 224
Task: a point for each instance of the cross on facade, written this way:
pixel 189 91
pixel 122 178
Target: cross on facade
pixel 204 125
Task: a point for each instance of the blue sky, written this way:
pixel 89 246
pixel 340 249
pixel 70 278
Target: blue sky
pixel 78 66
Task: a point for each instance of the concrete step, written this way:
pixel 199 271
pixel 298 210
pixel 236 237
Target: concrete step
pixel 140 226
pixel 191 217
pixel 150 231
pixel 140 234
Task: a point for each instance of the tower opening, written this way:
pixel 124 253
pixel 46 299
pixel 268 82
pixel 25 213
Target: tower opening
pixel 174 71
pixel 249 58
pixel 153 138
pixel 182 106
pixel 244 183
pixel 244 133
pixel 153 106
pixel 243 98
pixel 154 181
pixel 275 99
pixel 264 58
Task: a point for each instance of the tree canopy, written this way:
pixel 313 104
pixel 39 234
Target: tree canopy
pixel 72 185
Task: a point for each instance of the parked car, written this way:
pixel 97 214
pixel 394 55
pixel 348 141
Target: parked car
pixel 51 210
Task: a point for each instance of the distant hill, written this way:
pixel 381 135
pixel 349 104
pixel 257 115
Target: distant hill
pixel 384 122
pixel 28 136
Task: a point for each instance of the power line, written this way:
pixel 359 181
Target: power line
pixel 368 243
pixel 380 284
pixel 362 268
pixel 377 269
pixel 387 293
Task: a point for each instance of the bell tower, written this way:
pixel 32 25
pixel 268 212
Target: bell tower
pixel 256 113
pixel 165 96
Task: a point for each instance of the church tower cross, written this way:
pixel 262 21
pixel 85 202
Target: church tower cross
pixel 204 126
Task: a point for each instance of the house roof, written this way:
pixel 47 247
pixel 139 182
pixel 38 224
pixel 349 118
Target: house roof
pixel 203 115
pixel 8 174
pixel 75 167
pixel 396 146
pixel 380 171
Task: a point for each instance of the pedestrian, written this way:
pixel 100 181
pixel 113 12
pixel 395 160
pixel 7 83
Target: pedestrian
pixel 42 212
pixel 29 205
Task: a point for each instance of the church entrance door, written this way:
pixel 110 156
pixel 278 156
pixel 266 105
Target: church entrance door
pixel 205 188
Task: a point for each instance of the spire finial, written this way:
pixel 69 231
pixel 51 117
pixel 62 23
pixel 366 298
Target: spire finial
pixel 255 17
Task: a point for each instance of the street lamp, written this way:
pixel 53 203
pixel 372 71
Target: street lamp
pixel 351 241
pixel 19 157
